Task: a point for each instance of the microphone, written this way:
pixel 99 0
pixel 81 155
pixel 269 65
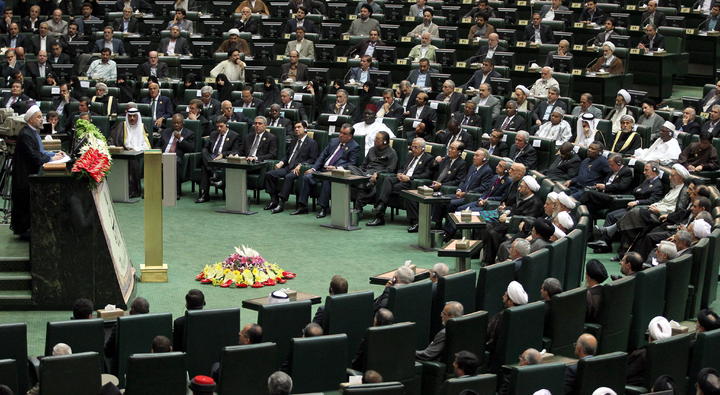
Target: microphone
pixel 587 66
pixel 587 44
pixel 705 22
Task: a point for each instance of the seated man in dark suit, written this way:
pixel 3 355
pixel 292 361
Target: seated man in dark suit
pixel 618 182
pixel 544 109
pixel 338 286
pixel 688 123
pixel 287 101
pixel 161 108
pixel 341 105
pixel 260 144
pixel 435 349
pixel 361 74
pixel 419 165
pixel 511 121
pixel 174 45
pixel 300 20
pixel 14 39
pixel 277 121
pixel 425 114
pixel 495 144
pixel 591 13
pixel 448 95
pixel 367 46
pixel 451 171
pixel 566 164
pixel 153 67
pixel 109 103
pixel 468 116
pixel 478 180
pixel 248 100
pixel 488 50
pixel 482 76
pixel 341 152
pixel 420 77
pixel 452 134
pixel 593 170
pixel 652 16
pixel 179 140
pixel 39 69
pixel 586 346
pixel 222 143
pixel 127 23
pixel 17 98
pixel 652 40
pixel 194 300
pixel 293 70
pixel 538 33
pixel 115 44
pixel 302 151
pixel 57 55
pixel 711 126
pixel 523 152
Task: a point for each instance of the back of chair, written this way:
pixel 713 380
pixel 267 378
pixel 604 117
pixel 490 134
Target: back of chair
pixel 566 320
pixel 649 302
pixel 9 374
pixel 350 314
pixel 80 335
pixel 386 388
pixel 697 276
pixel 709 293
pixel 156 373
pixel 575 258
pixel 491 285
pixel 615 314
pixel 247 367
pixel 456 287
pixel 668 356
pixel 326 354
pixel 202 348
pixel 77 374
pixel 393 337
pixel 606 370
pixel 481 384
pixel 13 345
pixel 465 333
pixel 558 258
pixel 282 322
pixel 411 303
pixel 533 272
pixel 528 379
pixel 522 328
pixel 135 335
pixel 676 286
pixel 704 354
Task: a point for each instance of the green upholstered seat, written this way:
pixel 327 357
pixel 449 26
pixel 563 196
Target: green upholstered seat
pixel 351 314
pixel 565 320
pixel 77 374
pixel 703 354
pixel 9 374
pixel 533 271
pixel 648 303
pixel 531 378
pixel 248 367
pixel 676 286
pixel 135 334
pixel 13 345
pixel 668 356
pixel 709 293
pixel 386 388
pixel 282 322
pixel 204 350
pixel 156 373
pixel 404 301
pixel 80 335
pixel 697 276
pixel 456 287
pixel 558 258
pixel 605 370
pixel 522 328
pixel 481 384
pixel 380 339
pixel 491 285
pixel 615 314
pixel 575 259
pixel 318 363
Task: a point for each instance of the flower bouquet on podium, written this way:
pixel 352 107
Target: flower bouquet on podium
pixel 91 150
pixel 245 268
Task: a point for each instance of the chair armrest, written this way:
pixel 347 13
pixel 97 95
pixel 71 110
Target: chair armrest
pixel 631 389
pixel 419 181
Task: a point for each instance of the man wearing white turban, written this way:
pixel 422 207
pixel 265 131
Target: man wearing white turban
pixel 658 329
pixel 608 62
pixel 621 102
pixel 29 156
pixel 514 295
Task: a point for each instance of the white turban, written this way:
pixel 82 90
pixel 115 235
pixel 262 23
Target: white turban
pixel 566 201
pixel 659 328
pixel 542 392
pixel 531 183
pixel 604 391
pixel 684 173
pixel 30 112
pixel 609 45
pixel 701 228
pixel 525 90
pixel 559 234
pixel 668 125
pixel 516 293
pixel 234 31
pixel 626 95
pixel 552 196
pixel 565 220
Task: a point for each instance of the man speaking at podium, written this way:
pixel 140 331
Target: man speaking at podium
pixel 29 157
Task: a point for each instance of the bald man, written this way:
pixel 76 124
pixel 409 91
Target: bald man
pixel 586 346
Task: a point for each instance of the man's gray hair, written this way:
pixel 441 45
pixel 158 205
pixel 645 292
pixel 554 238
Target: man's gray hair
pixel 101 85
pixel 715 107
pixel 554 89
pixel 455 309
pixel 279 383
pixel 451 83
pixel 522 246
pixel 420 141
pixel 61 349
pixel 206 89
pixel 261 118
pixel 441 269
pixel 404 275
pixel 339 91
pixel 551 285
pixel 669 249
pixel 289 91
pixel 684 236
pixel 405 83
pixel 275 106
pixel 524 134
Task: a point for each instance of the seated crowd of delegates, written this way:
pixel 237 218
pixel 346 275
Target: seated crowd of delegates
pixel 465 363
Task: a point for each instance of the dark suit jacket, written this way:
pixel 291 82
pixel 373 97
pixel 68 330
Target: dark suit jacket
pixel 649 191
pixel 301 71
pixel 427 114
pixel 529 207
pixel 164 106
pixel 591 171
pixel 360 48
pixel 142 5
pixel 477 77
pixel 692 127
pixel 355 73
pixel 347 158
pixel 478 181
pixel 518 122
pixel 453 172
pixel 32 69
pixel 499 188
pixel 21 99
pixel 347 110
pixel 396 110
pixel 212 110
pixel 424 167
pixel 230 146
pixel 307 153
pixel 443 137
pixel 659 19
pixel 658 42
pixel 434 350
pixel 62 59
pixel 267 148
pixel 186 145
pixel 546 34
pixel 621 184
pixel 527 156
pixel 414 74
pixel 308 25
pixel 117 46
pixel 143 70
pixel 35 40
pixel 255 104
pixel 413 94
pixel 181 46
pixel 21 41
pixel 501 150
pixel 133 25
pixel 296 106
pixel 474 120
pixel 598 16
pixel 563 169
pixel 541 108
pixel 594 301
pixel 250 26
pixel 706 127
pixel 283 123
pixel 481 53
pixel 456 101
pixel 26 26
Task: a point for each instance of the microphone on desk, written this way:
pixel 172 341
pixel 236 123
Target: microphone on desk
pixel 587 66
pixel 587 44
pixel 706 21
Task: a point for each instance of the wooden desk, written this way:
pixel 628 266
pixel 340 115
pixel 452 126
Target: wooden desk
pixel 254 304
pixel 340 199
pixel 704 54
pixel 118 178
pixel 425 204
pixel 461 256
pixel 476 222
pixel 236 200
pixel 653 73
pixel 383 278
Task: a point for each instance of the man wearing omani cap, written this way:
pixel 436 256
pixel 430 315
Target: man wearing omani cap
pixel 132 135
pixel 664 150
pixel 514 295
pixel 658 329
pixel 29 156
pixel 622 100
pixel 627 140
pixel 595 275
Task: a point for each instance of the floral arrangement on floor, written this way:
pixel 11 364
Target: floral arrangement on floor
pixel 94 156
pixel 245 268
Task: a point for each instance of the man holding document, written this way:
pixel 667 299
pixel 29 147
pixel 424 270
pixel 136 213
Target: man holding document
pixel 30 155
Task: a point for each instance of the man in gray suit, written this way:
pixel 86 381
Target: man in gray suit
pixel 178 45
pixel 435 349
pixel 485 98
pixel 586 106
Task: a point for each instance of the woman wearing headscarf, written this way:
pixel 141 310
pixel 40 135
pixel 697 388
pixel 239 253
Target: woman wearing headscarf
pixel 649 117
pixel 223 87
pixel 608 63
pixel 270 93
pixel 366 93
pixel 586 130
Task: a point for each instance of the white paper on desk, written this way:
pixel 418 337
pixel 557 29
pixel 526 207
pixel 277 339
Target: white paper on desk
pixel 55 90
pixel 64 159
pixel 537 143
pixel 434 104
pixel 472 213
pixel 416 123
pixel 84 83
pixel 297 97
pixel 332 118
pixel 355 380
pixel 576 148
pixel 632 161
